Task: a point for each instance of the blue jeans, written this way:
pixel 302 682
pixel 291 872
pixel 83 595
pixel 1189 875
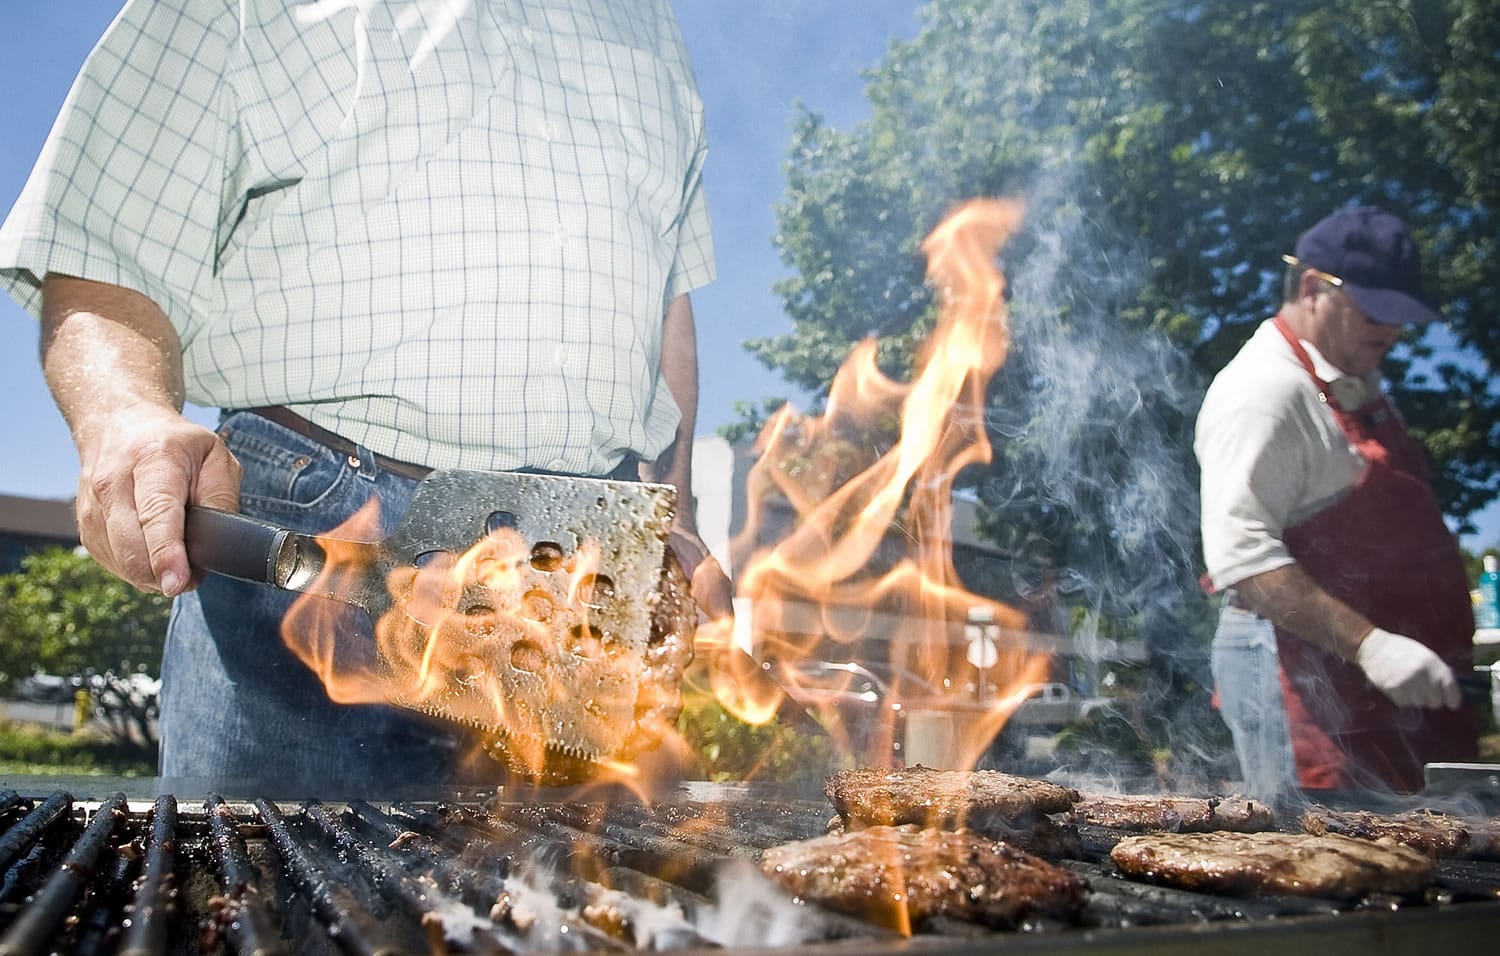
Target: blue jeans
pixel 236 704
pixel 1246 674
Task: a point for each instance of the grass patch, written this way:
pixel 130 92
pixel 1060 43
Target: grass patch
pixel 32 749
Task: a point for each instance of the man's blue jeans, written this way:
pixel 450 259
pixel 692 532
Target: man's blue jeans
pixel 236 704
pixel 1247 676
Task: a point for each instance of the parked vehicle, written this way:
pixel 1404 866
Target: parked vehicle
pixel 1053 704
pixel 1049 693
pixel 859 704
pixel 47 689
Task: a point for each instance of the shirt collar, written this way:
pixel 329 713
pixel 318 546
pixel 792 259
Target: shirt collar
pixel 1351 391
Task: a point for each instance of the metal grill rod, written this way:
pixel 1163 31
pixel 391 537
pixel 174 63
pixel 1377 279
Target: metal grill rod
pixel 333 905
pixel 31 827
pixel 151 911
pixel 674 862
pixel 247 922
pixel 33 930
pixel 422 899
pixel 481 890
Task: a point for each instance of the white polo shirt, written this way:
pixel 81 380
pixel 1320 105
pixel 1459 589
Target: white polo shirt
pixel 1271 453
pixel 447 231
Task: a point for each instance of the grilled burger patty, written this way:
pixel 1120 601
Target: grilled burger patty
pixel 1042 836
pixel 1434 833
pixel 941 798
pixel 1175 814
pixel 958 873
pixel 1298 863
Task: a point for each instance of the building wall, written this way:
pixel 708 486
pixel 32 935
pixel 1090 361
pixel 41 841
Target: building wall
pixel 28 525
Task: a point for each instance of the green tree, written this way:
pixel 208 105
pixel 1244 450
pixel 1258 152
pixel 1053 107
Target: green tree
pixel 1169 153
pixel 1288 110
pixel 62 613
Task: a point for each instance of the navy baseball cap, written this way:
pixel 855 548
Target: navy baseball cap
pixel 1376 257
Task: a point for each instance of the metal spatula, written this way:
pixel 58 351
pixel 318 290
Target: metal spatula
pixel 562 666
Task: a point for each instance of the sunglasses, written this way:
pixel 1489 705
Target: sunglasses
pixel 1327 277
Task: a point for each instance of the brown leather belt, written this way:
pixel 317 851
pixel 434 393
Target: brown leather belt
pixel 291 421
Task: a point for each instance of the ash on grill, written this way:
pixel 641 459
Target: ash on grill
pixel 116 876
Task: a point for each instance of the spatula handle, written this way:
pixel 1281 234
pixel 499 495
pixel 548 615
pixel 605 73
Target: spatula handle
pixel 234 544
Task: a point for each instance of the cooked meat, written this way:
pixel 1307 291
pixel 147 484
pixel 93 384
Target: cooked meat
pixel 1300 863
pixel 1484 840
pixel 1041 836
pixel 1175 814
pixel 942 798
pixel 1435 833
pixel 872 872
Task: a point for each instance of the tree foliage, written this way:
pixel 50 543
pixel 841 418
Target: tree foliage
pixel 1169 152
pixel 62 613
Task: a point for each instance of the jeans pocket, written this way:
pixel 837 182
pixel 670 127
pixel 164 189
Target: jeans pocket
pixel 285 475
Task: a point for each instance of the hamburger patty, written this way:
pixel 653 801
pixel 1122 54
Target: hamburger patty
pixel 1435 833
pixel 1174 814
pixel 876 871
pixel 942 798
pixel 1297 863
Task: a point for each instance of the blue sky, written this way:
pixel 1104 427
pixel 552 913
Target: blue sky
pixel 754 58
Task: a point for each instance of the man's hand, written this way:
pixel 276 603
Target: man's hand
pixel 1407 672
pixel 139 473
pixel 710 586
pixel 114 364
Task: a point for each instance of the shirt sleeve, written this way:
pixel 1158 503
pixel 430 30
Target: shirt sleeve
pixel 127 188
pixel 694 266
pixel 1252 468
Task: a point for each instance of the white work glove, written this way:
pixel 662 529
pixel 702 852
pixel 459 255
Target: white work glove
pixel 1407 672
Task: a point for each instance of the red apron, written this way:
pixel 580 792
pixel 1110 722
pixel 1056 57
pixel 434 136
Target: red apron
pixel 1385 552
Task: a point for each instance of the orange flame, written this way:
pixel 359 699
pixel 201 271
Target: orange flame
pixel 869 554
pixel 311 628
pixel 469 636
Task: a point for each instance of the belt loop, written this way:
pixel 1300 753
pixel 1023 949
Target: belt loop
pixel 1234 599
pixel 364 464
pixel 629 469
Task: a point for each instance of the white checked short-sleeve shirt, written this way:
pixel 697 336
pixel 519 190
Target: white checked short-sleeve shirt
pixel 445 229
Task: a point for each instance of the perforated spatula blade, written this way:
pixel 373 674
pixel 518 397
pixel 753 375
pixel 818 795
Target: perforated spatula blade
pixel 545 642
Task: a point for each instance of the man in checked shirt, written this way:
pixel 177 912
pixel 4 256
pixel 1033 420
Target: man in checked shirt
pixel 383 237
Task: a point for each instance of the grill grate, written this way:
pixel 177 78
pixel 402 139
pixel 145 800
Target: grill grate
pixel 575 875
